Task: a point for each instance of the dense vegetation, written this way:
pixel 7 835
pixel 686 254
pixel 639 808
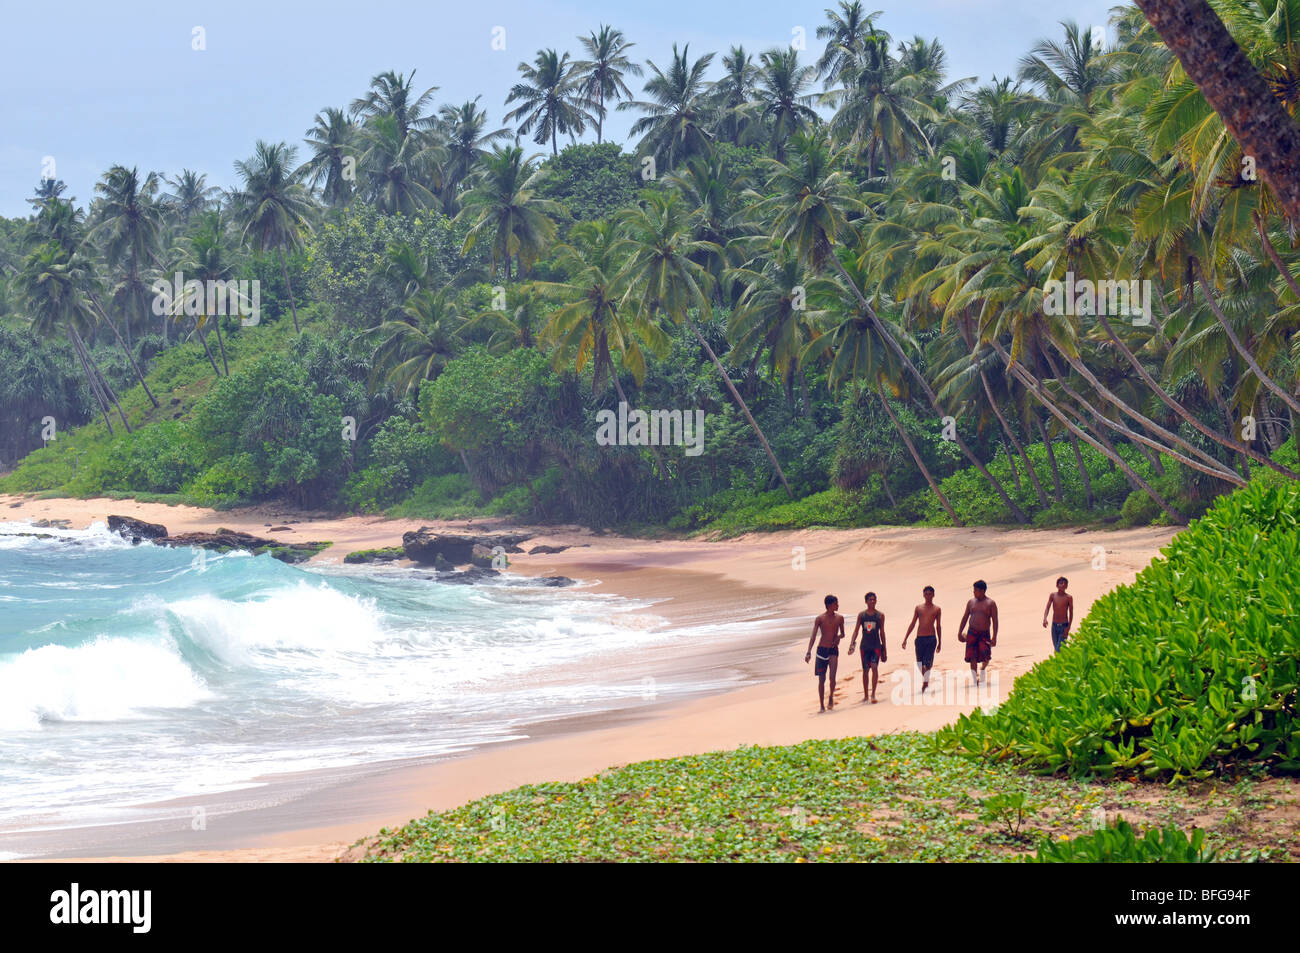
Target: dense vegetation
pixel 1190 671
pixel 847 264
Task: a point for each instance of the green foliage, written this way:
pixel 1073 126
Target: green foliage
pixel 1190 671
pixel 594 182
pixel 1121 845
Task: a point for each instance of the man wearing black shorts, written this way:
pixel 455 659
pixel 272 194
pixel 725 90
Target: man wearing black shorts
pixel 872 625
pixel 929 637
pixel 830 624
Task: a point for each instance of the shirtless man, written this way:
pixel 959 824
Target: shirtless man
pixel 929 637
pixel 1061 605
pixel 871 623
pixel 982 612
pixel 831 626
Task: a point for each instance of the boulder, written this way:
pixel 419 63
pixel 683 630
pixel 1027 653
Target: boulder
pixel 425 545
pixel 554 582
pixel 227 540
pixel 482 557
pixel 136 530
pixel 469 576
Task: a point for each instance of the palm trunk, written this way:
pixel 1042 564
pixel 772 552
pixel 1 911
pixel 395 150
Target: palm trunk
pixel 1188 416
pixel 91 380
pixel 884 481
pixel 1236 343
pixel 203 339
pixel 216 321
pixel 1011 462
pixel 1267 242
pixel 1051 461
pixel 920 464
pixel 1006 428
pixel 127 351
pixel 735 394
pixel 894 346
pixel 284 270
pixel 1103 445
pixel 1083 470
pixel 101 380
pixel 1253 115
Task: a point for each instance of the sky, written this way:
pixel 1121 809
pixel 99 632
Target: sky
pixel 86 85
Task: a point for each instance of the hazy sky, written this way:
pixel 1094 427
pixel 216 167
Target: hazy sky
pixel 90 84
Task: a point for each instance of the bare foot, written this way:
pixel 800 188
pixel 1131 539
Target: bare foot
pixel 873 699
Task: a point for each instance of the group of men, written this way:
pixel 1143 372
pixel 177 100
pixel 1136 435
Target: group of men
pixel 978 630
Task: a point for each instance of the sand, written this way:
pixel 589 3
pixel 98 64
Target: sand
pixel 778 576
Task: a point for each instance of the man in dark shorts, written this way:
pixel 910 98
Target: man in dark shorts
pixel 831 626
pixel 1061 605
pixel 982 613
pixel 871 623
pixel 929 637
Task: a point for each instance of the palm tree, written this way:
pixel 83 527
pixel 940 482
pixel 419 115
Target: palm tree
pixel 331 142
pixel 394 168
pixel 847 34
pixel 663 275
pixel 416 347
pixel 128 228
pixel 551 99
pixel 209 261
pixel 393 95
pixel 600 75
pixel 782 97
pixel 503 208
pixel 273 207
pixel 515 326
pixel 190 195
pixel 731 98
pixel 676 122
pixel 468 140
pixel 1069 75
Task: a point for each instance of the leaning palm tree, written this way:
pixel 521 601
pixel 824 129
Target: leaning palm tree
pixel 273 208
pixel 551 100
pixel 331 142
pixel 504 209
pixel 663 275
pixel 600 75
pixel 676 122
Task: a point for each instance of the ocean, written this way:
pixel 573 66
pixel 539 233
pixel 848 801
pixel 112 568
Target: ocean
pixel 135 674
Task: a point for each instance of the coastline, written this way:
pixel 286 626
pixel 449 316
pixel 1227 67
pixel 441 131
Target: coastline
pixel 752 578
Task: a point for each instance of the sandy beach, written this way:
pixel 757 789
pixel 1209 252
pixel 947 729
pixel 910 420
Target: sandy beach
pixel 780 578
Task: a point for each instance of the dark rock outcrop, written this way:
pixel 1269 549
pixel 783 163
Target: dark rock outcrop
pixel 226 540
pixel 425 545
pixel 136 530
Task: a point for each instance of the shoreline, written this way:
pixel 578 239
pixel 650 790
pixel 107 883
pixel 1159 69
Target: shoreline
pixel 755 578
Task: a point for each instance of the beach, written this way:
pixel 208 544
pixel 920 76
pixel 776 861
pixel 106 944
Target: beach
pixel 770 585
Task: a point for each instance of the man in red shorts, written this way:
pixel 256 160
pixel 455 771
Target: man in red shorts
pixel 982 613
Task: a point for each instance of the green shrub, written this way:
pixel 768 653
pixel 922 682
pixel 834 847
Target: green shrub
pixel 1189 671
pixel 1121 845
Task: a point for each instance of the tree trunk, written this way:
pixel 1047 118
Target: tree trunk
pixel 884 481
pixel 216 322
pixel 1006 428
pixel 1051 461
pixel 920 464
pixel 1236 342
pixel 90 380
pixel 101 379
pixel 726 379
pixel 1083 471
pixel 1101 444
pixel 203 339
pixel 1011 462
pixel 1187 415
pixel 1255 117
pixel 1283 270
pixel 888 337
pixel 284 270
pixel 127 351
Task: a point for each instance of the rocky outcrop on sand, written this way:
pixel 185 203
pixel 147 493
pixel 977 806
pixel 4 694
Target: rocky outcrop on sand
pixel 136 530
pixel 222 541
pixel 425 545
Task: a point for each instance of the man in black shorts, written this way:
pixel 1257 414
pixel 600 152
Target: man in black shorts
pixel 872 625
pixel 831 626
pixel 929 637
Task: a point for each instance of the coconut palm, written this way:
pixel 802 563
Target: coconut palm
pixel 846 33
pixel 416 347
pixel 190 195
pixel 600 75
pixel 468 143
pixel 676 122
pixel 393 95
pixel 129 221
pixel 551 99
pixel 332 166
pixel 731 98
pixel 784 103
pixel 394 168
pixel 272 207
pixel 663 275
pixel 503 208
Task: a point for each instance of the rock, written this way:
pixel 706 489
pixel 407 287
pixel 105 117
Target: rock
pixel 425 545
pixel 546 550
pixel 387 555
pixel 226 540
pixel 482 557
pixel 554 582
pixel 280 529
pixel 469 576
pixel 136 530
pixel 442 565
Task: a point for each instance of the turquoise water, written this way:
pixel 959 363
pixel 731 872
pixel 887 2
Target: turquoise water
pixel 131 674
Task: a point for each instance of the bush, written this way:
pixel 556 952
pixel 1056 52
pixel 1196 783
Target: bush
pixel 1191 670
pixel 1121 845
